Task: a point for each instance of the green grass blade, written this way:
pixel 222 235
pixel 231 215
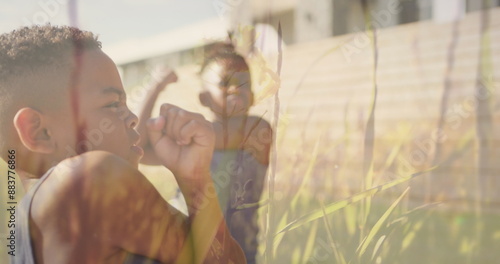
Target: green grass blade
pixel 311 240
pixel 269 258
pixel 307 175
pixel 279 238
pixel 403 136
pixel 350 219
pixel 376 228
pixel 379 243
pixel 338 255
pixel 411 235
pixel 369 138
pixel 484 113
pixel 404 217
pixel 366 204
pixel 316 214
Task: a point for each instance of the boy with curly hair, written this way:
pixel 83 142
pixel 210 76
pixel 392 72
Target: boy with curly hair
pixel 64 115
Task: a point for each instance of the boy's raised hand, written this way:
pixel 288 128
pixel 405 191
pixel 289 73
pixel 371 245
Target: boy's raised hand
pixel 183 142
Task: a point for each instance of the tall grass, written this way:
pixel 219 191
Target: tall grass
pixel 269 257
pixel 484 120
pixel 369 139
pixel 484 123
pixel 381 222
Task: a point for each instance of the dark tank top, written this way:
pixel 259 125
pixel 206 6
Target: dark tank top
pixel 239 179
pixel 24 250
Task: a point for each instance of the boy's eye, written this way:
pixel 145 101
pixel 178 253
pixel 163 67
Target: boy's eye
pixel 113 105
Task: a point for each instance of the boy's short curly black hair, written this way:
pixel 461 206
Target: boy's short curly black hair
pixel 38 46
pixel 35 65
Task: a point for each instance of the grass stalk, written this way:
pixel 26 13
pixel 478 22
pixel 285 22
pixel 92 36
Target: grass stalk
pixel 269 257
pixel 369 139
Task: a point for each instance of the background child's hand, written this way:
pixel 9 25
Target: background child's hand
pixel 164 77
pixel 183 141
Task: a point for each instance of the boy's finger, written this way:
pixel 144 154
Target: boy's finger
pixel 164 108
pixel 198 132
pixel 182 117
pixel 155 128
pixel 176 119
pixel 171 119
pixel 167 111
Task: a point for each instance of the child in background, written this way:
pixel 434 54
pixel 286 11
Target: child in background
pixel 65 127
pixel 241 156
pixel 242 143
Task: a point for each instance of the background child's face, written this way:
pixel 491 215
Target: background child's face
pixel 103 120
pixel 229 89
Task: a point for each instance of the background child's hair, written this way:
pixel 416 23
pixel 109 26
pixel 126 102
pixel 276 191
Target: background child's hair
pixel 224 53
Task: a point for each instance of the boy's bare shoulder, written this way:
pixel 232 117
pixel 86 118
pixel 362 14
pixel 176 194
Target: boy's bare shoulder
pixel 96 174
pixel 95 167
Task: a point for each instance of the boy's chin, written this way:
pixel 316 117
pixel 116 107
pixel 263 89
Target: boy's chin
pixel 134 162
pixel 135 155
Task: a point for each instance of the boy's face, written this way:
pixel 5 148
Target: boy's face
pixel 229 90
pixel 102 120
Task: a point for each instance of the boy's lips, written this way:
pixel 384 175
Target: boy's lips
pixel 138 150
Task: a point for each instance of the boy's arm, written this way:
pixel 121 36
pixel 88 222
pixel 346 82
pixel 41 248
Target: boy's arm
pixel 159 84
pixel 184 142
pixel 109 205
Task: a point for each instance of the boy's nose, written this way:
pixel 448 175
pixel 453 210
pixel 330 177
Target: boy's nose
pixel 132 120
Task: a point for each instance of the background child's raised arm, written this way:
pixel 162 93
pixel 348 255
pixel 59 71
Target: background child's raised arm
pixel 159 83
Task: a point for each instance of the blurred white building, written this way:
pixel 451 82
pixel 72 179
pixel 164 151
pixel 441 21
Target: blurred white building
pixel 301 21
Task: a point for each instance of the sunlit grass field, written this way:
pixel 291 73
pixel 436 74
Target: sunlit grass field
pixel 406 195
pixel 400 224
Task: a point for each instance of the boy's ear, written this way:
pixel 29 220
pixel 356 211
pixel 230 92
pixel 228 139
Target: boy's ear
pixel 32 131
pixel 205 99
